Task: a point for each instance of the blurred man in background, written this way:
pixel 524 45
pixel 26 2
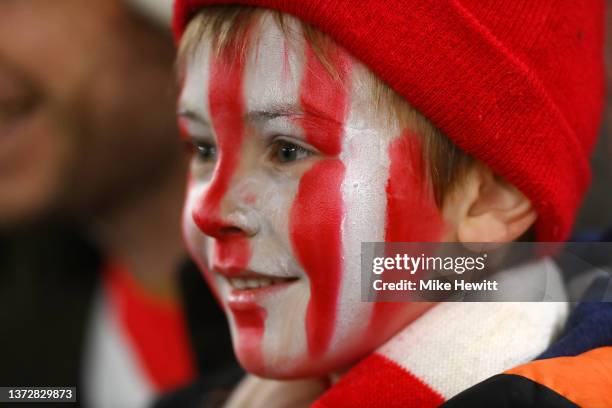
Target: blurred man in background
pixel 91 186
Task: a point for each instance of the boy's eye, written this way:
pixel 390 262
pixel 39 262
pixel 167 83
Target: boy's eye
pixel 287 152
pixel 205 152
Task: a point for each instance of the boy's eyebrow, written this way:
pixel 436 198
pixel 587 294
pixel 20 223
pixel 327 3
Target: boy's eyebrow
pixel 262 115
pixel 273 112
pixel 252 116
pixel 193 116
pixel 291 111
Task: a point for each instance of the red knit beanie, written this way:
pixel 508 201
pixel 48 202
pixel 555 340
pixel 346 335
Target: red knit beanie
pixel 516 83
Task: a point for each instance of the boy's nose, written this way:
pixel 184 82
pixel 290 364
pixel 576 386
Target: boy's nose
pixel 219 227
pixel 225 218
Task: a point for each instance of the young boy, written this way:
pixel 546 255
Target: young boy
pixel 319 125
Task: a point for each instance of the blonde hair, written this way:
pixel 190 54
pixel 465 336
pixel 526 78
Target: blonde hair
pixel 228 26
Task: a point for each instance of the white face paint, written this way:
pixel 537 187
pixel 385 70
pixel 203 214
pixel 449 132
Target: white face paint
pixel 303 172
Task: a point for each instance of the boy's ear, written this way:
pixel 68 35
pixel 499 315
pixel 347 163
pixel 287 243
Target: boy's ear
pixel 487 208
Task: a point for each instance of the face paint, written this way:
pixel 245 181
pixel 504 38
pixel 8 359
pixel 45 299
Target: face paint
pixel 315 230
pixel 250 323
pixel 324 101
pixel 302 221
pixel 407 188
pixel 316 216
pixel 232 250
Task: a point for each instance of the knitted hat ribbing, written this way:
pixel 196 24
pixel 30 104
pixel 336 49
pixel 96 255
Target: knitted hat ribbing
pixel 518 84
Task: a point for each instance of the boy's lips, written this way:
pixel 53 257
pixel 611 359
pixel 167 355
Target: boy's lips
pixel 231 272
pixel 251 297
pixel 249 287
pixel 254 282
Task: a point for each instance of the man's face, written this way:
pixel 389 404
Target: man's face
pixel 292 171
pixel 85 104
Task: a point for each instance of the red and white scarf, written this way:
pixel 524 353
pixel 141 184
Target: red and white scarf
pixel 137 347
pixel 450 348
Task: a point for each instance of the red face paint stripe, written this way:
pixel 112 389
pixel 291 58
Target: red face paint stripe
pixel 250 325
pixel 412 214
pixel 315 227
pixel 316 216
pixel 226 101
pixel 322 96
pixel 227 112
pixel 232 251
pixel 232 254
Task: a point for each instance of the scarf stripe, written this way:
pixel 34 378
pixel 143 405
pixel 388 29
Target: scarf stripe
pixel 447 350
pixel 362 387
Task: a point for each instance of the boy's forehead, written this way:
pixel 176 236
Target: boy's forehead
pixel 273 61
pixel 274 67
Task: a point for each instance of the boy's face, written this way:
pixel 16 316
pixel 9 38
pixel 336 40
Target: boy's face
pixel 292 171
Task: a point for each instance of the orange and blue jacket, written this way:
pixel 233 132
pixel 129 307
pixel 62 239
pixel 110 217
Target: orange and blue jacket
pixel 576 371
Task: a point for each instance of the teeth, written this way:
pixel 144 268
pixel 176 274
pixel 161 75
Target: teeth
pixel 239 283
pixel 254 283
